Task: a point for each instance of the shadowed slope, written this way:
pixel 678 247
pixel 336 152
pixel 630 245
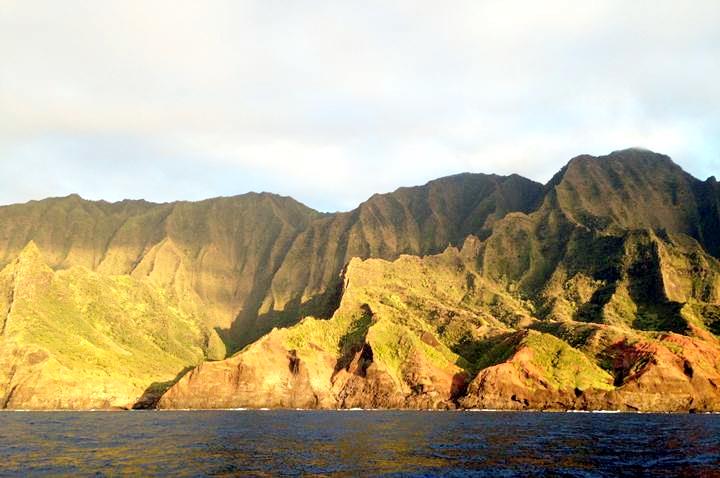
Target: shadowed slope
pixel 419 220
pixel 638 189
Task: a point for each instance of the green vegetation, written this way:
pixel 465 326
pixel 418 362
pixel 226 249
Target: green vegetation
pixel 98 330
pixel 444 279
pixel 563 366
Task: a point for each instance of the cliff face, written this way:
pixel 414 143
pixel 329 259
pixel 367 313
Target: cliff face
pixel 600 289
pixel 220 252
pixel 227 269
pixel 606 296
pixel 77 339
pixel 436 333
pixel 257 260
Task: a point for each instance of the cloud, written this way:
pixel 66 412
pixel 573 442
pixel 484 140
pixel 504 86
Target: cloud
pixel 332 101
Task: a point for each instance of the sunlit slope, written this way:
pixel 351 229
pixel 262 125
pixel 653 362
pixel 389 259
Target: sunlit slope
pixel 383 347
pixel 78 339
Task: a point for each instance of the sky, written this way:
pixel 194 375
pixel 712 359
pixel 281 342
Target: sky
pixel 330 102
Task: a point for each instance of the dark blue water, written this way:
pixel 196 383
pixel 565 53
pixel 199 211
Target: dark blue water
pixel 355 443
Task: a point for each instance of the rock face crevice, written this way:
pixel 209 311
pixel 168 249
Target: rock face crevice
pixel 8 308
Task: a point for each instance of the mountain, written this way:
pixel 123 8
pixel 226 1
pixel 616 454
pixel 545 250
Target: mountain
pixel 245 257
pixel 419 220
pixel 605 296
pixel 220 252
pixel 235 267
pixel 78 339
pixel 600 289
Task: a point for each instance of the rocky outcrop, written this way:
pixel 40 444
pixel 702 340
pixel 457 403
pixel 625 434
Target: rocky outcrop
pixel 266 374
pixel 373 353
pixel 647 375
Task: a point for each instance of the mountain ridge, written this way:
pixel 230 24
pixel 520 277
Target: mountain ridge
pixel 637 295
pixel 138 227
pixel 625 240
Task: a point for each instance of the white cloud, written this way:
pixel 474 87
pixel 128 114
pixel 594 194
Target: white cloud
pixel 332 101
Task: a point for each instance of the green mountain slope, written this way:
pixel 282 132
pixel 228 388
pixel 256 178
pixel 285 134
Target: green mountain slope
pixel 248 256
pixel 78 339
pixel 636 189
pixel 433 332
pixel 419 220
pixel 605 296
pixel 600 289
pixel 221 252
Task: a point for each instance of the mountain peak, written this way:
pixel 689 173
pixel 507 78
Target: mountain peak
pixel 634 155
pixel 28 271
pixel 30 253
pixel 633 150
pixel 31 262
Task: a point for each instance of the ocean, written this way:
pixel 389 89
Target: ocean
pixel 357 443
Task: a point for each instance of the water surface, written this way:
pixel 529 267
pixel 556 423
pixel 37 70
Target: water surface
pixel 340 443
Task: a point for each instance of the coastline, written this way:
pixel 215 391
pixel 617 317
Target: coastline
pixel 409 410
